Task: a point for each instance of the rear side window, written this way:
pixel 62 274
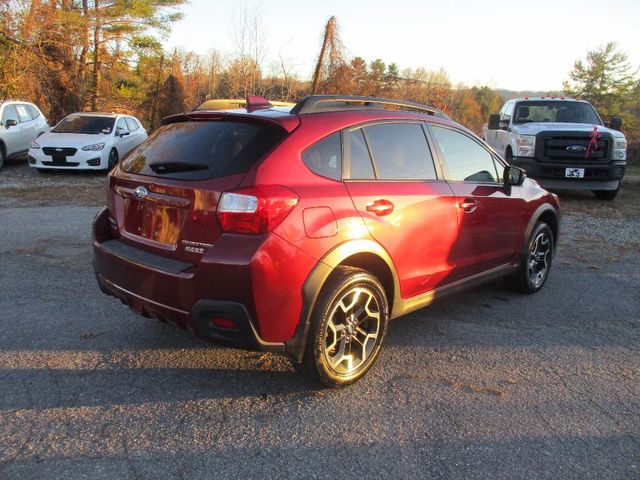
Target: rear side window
pixel 360 164
pixel 400 151
pixel 35 113
pixel 203 150
pixel 325 157
pixel 466 160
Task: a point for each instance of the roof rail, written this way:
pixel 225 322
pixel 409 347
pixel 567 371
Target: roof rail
pixel 336 103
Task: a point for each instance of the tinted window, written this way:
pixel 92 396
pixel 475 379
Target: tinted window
pixel 9 113
pixel 23 113
pixel 33 111
pixel 85 124
pixel 465 159
pixel 400 151
pixel 361 167
pixel 201 150
pixel 325 157
pixel 131 123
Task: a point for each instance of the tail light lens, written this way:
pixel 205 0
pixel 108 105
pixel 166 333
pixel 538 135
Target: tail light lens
pixel 255 209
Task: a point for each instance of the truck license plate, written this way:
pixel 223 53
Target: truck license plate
pixel 574 173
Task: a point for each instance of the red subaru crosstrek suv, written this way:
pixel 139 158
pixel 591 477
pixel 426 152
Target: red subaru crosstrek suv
pixel 306 230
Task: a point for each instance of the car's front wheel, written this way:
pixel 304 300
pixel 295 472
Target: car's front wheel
pixel 1 157
pixel 349 323
pixel 535 262
pixel 113 159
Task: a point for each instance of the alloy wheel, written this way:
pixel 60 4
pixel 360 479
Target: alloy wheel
pixel 538 264
pixel 353 330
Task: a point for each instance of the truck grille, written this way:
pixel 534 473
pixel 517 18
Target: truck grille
pixel 572 148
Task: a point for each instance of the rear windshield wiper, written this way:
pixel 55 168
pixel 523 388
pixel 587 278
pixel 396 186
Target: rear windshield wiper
pixel 173 167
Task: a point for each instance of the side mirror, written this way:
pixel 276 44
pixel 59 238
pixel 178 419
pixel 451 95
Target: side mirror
pixel 616 123
pixel 494 122
pixel 11 123
pixel 514 176
pixel 121 133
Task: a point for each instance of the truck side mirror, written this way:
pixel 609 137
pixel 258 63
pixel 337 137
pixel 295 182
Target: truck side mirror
pixel 494 122
pixel 10 123
pixel 616 123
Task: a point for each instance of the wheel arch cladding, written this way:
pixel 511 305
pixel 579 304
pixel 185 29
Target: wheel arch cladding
pixel 377 267
pixel 550 218
pixel 364 254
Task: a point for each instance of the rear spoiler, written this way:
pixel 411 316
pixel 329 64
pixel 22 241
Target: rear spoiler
pixel 282 120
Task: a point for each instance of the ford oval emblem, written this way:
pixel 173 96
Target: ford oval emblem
pixel 140 192
pixel 576 148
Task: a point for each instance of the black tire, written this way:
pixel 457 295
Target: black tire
pixel 508 156
pixel 1 156
pixel 535 262
pixel 325 357
pixel 606 194
pixel 113 159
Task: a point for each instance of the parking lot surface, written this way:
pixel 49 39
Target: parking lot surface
pixel 487 384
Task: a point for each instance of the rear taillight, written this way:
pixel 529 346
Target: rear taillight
pixel 255 209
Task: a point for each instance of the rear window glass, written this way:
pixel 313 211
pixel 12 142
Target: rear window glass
pixel 202 150
pixel 325 157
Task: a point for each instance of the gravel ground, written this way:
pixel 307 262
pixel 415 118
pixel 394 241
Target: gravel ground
pixel 488 384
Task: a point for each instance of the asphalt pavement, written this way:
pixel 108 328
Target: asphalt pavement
pixel 489 384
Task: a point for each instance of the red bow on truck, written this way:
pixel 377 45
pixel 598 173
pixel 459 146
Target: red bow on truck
pixel 593 143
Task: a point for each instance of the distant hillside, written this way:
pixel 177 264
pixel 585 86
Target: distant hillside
pixel 509 94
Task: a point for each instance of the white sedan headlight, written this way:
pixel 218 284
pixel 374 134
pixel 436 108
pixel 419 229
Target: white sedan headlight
pixel 34 145
pixel 525 146
pixel 619 149
pixel 93 148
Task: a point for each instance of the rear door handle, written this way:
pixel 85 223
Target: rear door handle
pixel 380 207
pixel 468 205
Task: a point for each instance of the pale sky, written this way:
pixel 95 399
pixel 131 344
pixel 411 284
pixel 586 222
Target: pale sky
pixel 513 44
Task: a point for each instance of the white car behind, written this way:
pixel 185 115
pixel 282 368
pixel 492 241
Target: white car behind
pixel 20 124
pixel 87 141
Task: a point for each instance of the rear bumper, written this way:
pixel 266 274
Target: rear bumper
pixel 552 175
pixel 198 319
pixel 239 279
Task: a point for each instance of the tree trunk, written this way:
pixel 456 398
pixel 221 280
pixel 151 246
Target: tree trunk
pixel 95 83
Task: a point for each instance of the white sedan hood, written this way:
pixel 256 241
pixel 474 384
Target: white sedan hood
pixel 71 140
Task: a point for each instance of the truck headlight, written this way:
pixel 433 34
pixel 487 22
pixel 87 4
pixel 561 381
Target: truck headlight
pixel 34 146
pixel 619 149
pixel 93 148
pixel 525 146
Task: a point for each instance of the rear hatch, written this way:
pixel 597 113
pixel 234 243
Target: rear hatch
pixel 165 195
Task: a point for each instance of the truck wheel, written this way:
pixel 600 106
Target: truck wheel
pixel 606 194
pixel 508 156
pixel 349 323
pixel 535 262
pixel 1 157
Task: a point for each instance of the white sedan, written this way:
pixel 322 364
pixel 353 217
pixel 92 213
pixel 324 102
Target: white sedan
pixel 87 141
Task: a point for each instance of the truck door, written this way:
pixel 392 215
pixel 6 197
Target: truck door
pixel 503 134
